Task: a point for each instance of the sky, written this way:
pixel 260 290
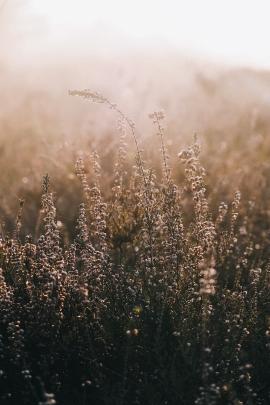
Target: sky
pixel 231 31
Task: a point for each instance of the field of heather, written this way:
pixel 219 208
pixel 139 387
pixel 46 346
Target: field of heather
pixel 134 216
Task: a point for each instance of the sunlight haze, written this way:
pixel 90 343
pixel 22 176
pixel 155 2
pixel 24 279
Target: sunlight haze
pixel 235 32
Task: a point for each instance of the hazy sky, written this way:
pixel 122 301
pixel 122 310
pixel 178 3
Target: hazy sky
pixel 235 31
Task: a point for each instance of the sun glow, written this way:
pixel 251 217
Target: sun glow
pixel 233 31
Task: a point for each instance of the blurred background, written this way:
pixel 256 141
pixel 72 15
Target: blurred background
pixel 206 64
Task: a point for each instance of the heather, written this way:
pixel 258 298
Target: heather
pixel 150 285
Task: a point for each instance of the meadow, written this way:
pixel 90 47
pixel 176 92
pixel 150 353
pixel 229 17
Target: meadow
pixel 135 269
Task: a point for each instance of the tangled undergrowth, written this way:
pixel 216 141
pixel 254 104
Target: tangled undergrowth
pixel 148 304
